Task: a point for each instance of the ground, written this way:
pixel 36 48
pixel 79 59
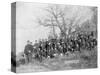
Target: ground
pixel 85 59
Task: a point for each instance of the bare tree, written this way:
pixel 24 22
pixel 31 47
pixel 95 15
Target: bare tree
pixel 57 18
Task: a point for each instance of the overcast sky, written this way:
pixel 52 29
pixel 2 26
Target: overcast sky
pixel 28 29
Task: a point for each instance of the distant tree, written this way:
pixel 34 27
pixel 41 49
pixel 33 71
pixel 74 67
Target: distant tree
pixel 94 17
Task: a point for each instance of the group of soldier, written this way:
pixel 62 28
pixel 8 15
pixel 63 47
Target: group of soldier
pixel 52 47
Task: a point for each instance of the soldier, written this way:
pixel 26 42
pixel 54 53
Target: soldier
pixel 28 51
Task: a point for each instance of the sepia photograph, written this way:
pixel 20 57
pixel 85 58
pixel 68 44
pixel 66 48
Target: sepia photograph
pixel 53 37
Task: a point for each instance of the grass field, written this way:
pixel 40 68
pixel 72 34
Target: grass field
pixel 83 60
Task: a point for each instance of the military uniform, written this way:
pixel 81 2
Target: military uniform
pixel 28 52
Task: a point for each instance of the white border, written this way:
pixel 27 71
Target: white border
pixel 5 36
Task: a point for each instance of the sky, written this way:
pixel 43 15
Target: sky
pixel 27 27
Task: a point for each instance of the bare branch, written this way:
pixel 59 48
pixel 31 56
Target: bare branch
pixel 46 22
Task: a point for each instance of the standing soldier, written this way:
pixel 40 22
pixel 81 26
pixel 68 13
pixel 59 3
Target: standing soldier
pixel 28 51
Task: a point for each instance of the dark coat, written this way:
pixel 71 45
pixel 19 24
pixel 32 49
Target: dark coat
pixel 28 49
